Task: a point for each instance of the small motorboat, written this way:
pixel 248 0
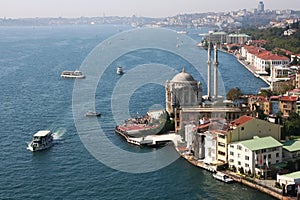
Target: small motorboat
pixel 119 70
pixel 41 140
pixel 92 114
pixel 222 177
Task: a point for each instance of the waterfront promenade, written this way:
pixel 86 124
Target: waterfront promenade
pixel 248 67
pixel 252 70
pixel 266 186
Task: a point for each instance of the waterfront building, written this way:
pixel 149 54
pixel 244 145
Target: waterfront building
pixel 205 140
pixel 216 37
pixel 262 59
pixel 246 127
pixel 220 134
pixel 210 148
pixel 289 179
pixel 291 149
pixel 184 99
pixel 254 155
pixel 237 38
pixel 182 91
pixel 243 128
pixel 188 137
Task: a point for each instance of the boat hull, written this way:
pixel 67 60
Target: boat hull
pixel 31 148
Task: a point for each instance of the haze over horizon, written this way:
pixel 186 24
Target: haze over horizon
pixel 145 8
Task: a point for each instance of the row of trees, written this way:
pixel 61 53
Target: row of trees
pixel 276 39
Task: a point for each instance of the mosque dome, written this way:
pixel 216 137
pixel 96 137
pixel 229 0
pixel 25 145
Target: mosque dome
pixel 183 77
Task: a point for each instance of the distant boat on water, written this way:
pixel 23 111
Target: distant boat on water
pixel 92 114
pixel 119 70
pixel 72 74
pixel 182 32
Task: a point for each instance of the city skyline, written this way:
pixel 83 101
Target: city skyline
pixel 154 8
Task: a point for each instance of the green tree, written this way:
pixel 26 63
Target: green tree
pixel 234 94
pixel 266 93
pixel 292 125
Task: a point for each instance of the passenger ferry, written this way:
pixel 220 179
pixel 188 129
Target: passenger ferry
pixel 72 74
pixel 119 70
pixel 41 140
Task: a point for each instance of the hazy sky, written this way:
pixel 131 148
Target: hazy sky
pixel 148 8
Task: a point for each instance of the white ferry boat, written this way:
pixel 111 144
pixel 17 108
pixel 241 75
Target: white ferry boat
pixel 92 114
pixel 119 70
pixel 182 32
pixel 41 140
pixel 72 74
pixel 222 177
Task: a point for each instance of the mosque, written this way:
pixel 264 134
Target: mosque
pixel 185 101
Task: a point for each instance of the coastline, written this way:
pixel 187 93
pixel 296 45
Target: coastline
pixel 248 67
pixel 265 186
pixel 271 191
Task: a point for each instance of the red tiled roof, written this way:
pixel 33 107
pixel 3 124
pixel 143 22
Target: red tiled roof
pixel 295 90
pixel 264 54
pixel 274 98
pixel 288 98
pixel 243 119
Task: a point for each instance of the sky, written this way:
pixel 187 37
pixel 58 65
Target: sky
pixel 147 8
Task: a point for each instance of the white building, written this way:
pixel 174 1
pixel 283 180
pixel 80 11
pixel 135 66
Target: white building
pixel 261 59
pixel 287 179
pixel 189 135
pixel 255 154
pixel 210 148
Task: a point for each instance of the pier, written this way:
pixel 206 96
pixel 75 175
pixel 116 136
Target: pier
pixel 151 140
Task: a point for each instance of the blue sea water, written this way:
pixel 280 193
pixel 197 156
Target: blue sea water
pixel 34 97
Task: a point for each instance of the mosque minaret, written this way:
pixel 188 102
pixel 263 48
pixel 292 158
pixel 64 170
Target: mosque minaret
pixel 185 103
pixel 215 72
pixel 208 72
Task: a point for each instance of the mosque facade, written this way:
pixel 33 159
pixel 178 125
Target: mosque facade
pixel 187 105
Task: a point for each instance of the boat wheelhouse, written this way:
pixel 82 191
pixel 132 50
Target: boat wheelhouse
pixel 41 140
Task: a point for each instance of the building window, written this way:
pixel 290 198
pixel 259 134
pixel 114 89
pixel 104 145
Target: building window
pixel 246 157
pixel 242 128
pixel 178 123
pixel 246 150
pixel 265 157
pixel 221 136
pixel 239 147
pixel 231 146
pixel 231 160
pixel 231 153
pixel 246 165
pixel 239 162
pixel 277 155
pixel 221 144
pixel 269 156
